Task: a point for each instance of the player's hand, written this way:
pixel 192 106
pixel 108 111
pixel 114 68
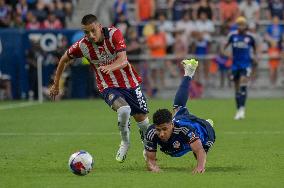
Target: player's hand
pixel 53 91
pixel 105 69
pixel 198 170
pixel 155 170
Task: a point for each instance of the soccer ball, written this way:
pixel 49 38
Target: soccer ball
pixel 81 163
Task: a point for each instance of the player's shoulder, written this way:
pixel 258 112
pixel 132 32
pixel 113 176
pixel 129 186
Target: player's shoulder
pixel 233 33
pixel 113 30
pixel 80 41
pixel 151 132
pixel 181 129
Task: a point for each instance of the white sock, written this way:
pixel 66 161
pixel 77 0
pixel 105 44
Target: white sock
pixel 143 126
pixel 123 122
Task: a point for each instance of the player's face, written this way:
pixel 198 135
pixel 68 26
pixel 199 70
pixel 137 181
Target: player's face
pixel 242 27
pixel 164 131
pixel 93 31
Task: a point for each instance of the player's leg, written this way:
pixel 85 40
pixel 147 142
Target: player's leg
pixel 182 94
pixel 116 101
pixel 138 103
pixel 142 123
pixel 236 79
pixel 243 95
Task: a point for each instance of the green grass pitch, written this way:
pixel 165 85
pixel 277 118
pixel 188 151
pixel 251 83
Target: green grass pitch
pixel 36 142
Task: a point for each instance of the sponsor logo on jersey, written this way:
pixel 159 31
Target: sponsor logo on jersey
pixel 110 97
pixel 176 144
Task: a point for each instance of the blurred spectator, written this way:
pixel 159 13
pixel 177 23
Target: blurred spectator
pixel 5 14
pixel 164 7
pixel 166 26
pixel 31 4
pixel 149 28
pixel 58 10
pixel 68 7
pixel 274 62
pixel 250 10
pixel 120 8
pixel 224 64
pixel 32 22
pixel 157 45
pixel 274 31
pixel 205 28
pixel 205 6
pixel 181 6
pixel 229 11
pixel 133 47
pixel 276 8
pixel 40 11
pixel 180 48
pixel 5 86
pixel 145 10
pixel 18 22
pixel 22 8
pixel 122 24
pixel 187 26
pixel 32 56
pixel 52 22
pixel 259 41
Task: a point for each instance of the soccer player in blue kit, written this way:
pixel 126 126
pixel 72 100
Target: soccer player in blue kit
pixel 242 45
pixel 183 132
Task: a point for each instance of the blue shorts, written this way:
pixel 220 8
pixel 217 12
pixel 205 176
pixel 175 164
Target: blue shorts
pixel 134 97
pixel 236 74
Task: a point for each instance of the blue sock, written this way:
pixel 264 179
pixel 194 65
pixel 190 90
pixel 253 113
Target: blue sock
pixel 243 95
pixel 237 98
pixel 182 92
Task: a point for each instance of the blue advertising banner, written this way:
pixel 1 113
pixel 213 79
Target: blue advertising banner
pixel 19 50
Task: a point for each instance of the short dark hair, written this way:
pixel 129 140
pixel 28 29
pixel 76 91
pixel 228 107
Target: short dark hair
pixel 89 19
pixel 162 116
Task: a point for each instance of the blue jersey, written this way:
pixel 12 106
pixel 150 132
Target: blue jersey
pixel 242 45
pixel 187 129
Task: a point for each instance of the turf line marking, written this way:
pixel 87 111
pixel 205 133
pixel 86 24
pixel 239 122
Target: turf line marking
pixel 117 133
pixel 59 134
pixel 18 105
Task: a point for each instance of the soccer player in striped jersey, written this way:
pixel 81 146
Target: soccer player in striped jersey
pixel 181 133
pixel 117 80
pixel 242 44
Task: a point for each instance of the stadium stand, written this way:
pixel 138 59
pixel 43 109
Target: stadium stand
pixel 203 26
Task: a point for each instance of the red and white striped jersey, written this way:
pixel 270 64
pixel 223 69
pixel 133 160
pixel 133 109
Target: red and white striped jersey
pixel 105 53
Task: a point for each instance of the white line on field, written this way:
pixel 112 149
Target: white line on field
pixel 59 134
pixel 18 105
pixel 116 133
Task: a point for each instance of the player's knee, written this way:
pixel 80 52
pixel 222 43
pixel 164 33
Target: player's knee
pixel 124 112
pixel 143 125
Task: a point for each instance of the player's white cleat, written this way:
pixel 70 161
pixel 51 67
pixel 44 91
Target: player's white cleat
pixel 190 65
pixel 240 114
pixel 237 115
pixel 211 122
pixel 122 152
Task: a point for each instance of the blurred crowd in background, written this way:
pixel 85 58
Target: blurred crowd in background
pixel 160 33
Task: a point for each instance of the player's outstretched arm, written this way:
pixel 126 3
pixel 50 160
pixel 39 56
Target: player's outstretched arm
pixel 152 162
pixel 197 148
pixel 54 89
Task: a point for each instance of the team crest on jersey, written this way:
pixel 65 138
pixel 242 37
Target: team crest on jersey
pixel 176 144
pixel 247 40
pixel 191 135
pixel 110 97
